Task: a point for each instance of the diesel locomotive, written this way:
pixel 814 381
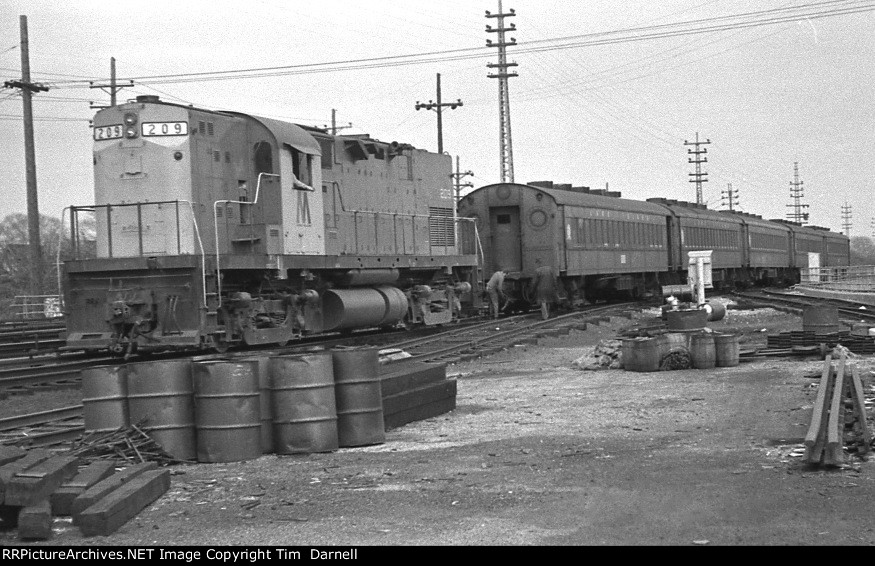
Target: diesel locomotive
pixel 211 229
pixel 602 246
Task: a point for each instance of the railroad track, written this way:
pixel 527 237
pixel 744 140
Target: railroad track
pixel 20 340
pixel 849 311
pixel 488 337
pixel 59 426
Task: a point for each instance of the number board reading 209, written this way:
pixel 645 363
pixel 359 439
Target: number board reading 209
pixel 165 128
pixel 108 132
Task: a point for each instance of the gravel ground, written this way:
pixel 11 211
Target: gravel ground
pixel 539 453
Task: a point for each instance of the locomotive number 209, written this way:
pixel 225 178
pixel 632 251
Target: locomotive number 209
pixel 108 132
pixel 165 128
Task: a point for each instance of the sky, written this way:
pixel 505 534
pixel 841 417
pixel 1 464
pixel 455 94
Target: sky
pixel 598 100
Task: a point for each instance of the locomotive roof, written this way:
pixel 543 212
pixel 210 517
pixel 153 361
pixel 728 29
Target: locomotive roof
pixel 287 133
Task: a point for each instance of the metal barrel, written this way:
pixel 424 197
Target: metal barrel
pixel 686 319
pixel 358 396
pixel 716 311
pixel 266 408
pixel 304 408
pixel 641 354
pixel 820 319
pixel 160 398
pixel 726 348
pixel 702 352
pixel 227 414
pixel 105 398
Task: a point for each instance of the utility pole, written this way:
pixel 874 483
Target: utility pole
pixel 796 193
pixel 334 127
pixel 846 219
pixel 27 90
pixel 730 197
pixel 437 106
pixel 113 86
pixel 457 180
pixel 505 141
pixel 698 177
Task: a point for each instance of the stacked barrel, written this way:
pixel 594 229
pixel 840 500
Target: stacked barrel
pixel 228 410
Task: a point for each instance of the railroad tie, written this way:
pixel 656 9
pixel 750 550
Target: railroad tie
pixel 62 499
pixel 824 442
pixel 815 438
pixel 36 483
pixel 863 437
pixel 111 512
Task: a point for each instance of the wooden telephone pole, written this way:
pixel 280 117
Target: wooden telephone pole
pixel 33 231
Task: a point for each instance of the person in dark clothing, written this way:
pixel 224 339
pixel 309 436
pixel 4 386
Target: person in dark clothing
pixel 495 289
pixel 544 287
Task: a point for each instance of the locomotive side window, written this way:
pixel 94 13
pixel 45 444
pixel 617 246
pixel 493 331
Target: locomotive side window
pixel 263 158
pixel 502 219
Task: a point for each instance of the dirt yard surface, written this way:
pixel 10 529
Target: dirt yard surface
pixel 539 452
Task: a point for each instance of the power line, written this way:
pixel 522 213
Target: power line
pixel 707 25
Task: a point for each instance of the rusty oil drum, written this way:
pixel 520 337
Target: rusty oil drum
pixel 105 398
pixel 265 405
pixel 304 408
pixel 726 348
pixel 641 354
pixel 160 397
pixel 227 414
pixel 820 319
pixel 703 353
pixel 358 396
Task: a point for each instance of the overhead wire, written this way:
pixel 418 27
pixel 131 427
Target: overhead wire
pixel 705 25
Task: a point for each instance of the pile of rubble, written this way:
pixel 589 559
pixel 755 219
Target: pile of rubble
pixel 606 355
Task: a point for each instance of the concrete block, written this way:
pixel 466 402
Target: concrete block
pixel 63 497
pixel 121 505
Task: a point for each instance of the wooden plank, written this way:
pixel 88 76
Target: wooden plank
pixel 813 450
pixel 36 483
pixel 420 413
pixel 860 411
pixel 106 486
pixel 8 471
pixel 62 499
pixel 834 453
pixel 409 376
pixel 35 521
pixel 121 505
pixel 419 396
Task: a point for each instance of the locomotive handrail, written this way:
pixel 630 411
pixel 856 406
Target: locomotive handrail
pixel 216 224
pixel 108 206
